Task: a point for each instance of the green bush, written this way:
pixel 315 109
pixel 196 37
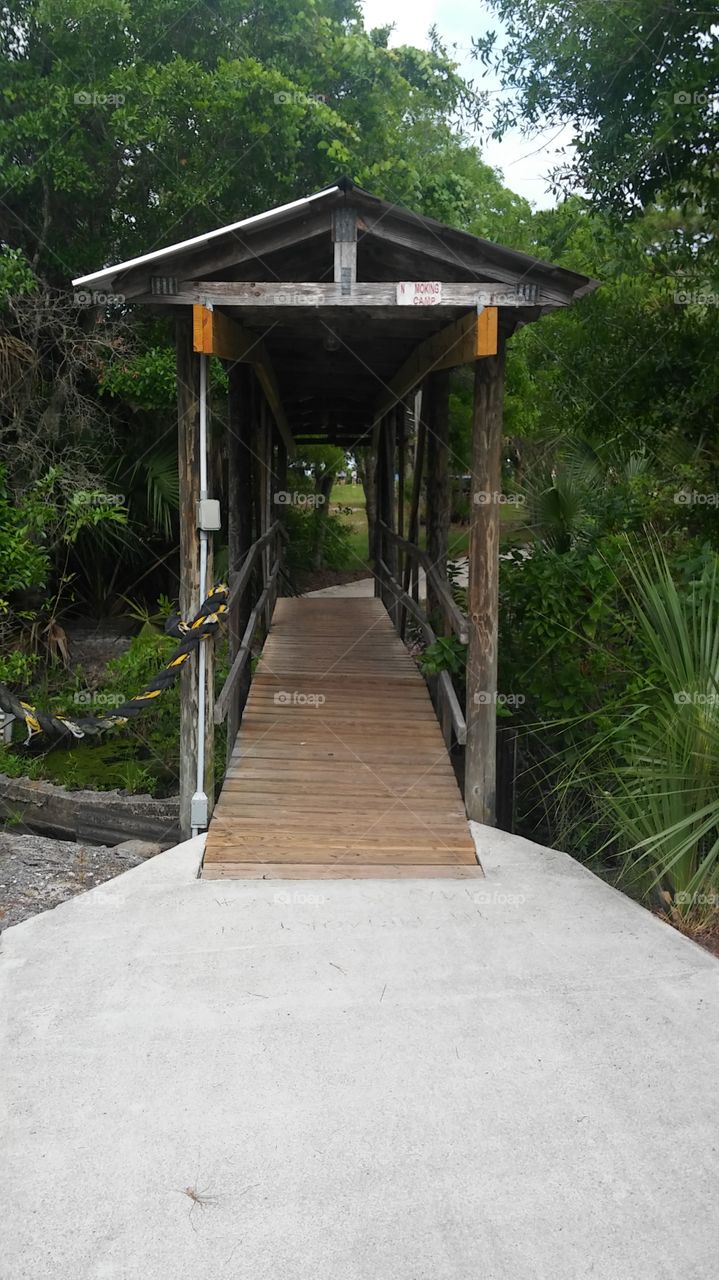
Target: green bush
pixel 310 529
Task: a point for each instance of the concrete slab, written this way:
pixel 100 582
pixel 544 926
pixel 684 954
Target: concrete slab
pixel 511 1079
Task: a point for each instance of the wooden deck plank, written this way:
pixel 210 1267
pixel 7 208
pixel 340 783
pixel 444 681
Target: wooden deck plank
pixel 328 871
pixel 340 767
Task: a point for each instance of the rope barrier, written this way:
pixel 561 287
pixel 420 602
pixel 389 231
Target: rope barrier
pixel 203 625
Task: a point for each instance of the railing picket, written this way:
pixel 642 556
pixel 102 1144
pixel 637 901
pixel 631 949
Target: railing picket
pixel 452 612
pixel 444 680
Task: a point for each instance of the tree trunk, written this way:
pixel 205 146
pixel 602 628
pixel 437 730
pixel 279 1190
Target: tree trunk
pixel 367 471
pixel 323 490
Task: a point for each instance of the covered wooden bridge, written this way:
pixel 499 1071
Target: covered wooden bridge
pixel 338 318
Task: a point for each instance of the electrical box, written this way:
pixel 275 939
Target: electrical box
pixel 208 515
pixel 198 811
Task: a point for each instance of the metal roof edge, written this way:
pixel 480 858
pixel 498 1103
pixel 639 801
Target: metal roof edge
pixel 157 255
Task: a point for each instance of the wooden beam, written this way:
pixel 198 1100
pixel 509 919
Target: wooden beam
pixel 344 237
pixel 441 351
pixel 479 339
pixel 312 293
pixel 463 257
pixel 483 590
pixel 251 244
pixel 215 334
pixel 436 409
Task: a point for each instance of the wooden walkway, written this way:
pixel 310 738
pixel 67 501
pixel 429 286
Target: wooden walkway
pixel 340 767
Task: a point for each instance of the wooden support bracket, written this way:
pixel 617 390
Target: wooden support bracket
pixel 462 342
pixel 215 334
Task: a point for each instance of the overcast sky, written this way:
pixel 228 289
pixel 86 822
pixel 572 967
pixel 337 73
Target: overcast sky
pixel 524 161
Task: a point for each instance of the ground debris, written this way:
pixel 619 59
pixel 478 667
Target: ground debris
pixel 38 873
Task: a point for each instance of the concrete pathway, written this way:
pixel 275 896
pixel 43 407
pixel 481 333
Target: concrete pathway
pixel 511 1079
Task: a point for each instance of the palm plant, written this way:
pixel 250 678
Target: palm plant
pixel 656 768
pixel 567 497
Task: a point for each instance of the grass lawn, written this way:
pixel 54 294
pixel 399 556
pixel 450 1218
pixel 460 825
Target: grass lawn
pixel 352 496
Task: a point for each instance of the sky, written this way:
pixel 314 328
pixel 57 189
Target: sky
pixel 524 161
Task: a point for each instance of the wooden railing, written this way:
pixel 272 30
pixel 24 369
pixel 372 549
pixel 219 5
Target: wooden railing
pixel 399 602
pixel 228 705
pixel 453 616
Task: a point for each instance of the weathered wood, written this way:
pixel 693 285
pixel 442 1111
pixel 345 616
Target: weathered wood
pixel 436 409
pixel 465 254
pixel 244 651
pixel 311 293
pixel 440 351
pixel 483 590
pixel 188 413
pixel 266 513
pixel 393 549
pixel 450 711
pixel 239 489
pixel 213 252
pixel 339 761
pixel 329 871
pixel 385 481
pixel 420 451
pixel 95 817
pixel 216 334
pixel 244 573
pixel 451 610
pixel 344 236
pixel 401 467
pixel 377 458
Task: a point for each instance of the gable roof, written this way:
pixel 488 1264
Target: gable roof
pixel 402 236
pixel 335 358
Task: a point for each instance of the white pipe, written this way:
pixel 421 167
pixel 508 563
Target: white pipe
pixel 199 800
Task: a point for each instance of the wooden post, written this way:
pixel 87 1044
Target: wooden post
pixel 436 414
pixel 344 236
pixel 402 469
pixel 420 451
pixel 401 477
pixel 265 452
pixel 411 571
pixel 239 490
pixel 281 477
pixel 377 549
pixel 188 430
pixel 386 504
pixel 281 508
pixel 483 592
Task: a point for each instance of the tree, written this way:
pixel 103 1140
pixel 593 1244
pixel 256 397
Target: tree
pixel 190 122
pixel 323 462
pixel 637 80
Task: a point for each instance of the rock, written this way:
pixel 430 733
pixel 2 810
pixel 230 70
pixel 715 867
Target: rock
pixel 38 873
pixel 137 849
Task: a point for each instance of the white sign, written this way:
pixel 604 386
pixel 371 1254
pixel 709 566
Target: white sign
pixel 419 293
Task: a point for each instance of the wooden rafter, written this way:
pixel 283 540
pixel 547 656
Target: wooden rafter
pixel 215 334
pixel 283 294
pixel 467 339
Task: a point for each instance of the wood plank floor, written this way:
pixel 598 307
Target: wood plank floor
pixel 339 768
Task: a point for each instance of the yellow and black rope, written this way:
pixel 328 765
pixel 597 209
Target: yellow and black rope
pixel 191 634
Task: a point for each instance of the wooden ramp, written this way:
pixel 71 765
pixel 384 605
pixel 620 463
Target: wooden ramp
pixel 340 768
